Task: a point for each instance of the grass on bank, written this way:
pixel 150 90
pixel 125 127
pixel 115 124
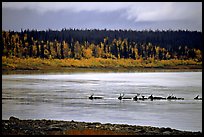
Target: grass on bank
pixel 14 63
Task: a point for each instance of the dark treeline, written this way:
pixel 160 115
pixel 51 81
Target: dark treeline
pixel 75 43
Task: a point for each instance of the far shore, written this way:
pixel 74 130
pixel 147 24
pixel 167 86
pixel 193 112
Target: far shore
pixel 37 65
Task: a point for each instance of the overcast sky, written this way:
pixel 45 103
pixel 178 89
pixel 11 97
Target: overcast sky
pixel 101 15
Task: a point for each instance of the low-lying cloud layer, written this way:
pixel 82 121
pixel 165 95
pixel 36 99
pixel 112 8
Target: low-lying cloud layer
pixel 137 13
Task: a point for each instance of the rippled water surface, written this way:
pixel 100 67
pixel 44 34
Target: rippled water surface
pixel 64 96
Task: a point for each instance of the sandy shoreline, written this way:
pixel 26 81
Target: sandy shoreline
pixel 15 126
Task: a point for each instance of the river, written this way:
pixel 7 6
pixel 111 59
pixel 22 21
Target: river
pixel 64 96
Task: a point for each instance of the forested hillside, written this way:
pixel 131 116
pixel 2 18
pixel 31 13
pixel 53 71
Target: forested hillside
pixel 115 44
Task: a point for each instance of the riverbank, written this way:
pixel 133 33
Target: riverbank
pixel 95 70
pixel 15 126
pixel 97 65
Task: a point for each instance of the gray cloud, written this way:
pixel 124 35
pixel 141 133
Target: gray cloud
pixel 58 20
pixel 136 15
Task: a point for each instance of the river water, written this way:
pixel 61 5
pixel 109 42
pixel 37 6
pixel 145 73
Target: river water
pixel 64 96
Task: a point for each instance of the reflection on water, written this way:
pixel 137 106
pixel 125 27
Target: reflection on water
pixel 65 97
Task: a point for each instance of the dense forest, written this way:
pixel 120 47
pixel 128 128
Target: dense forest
pixel 114 44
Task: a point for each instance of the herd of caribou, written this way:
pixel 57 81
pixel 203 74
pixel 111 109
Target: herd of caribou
pixel 151 97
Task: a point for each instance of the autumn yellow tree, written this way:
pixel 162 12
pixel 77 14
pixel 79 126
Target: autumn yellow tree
pixel 77 50
pixel 66 49
pixel 198 54
pixel 87 53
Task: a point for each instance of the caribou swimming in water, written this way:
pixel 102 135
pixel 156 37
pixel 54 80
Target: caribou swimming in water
pixel 171 97
pixel 197 98
pixel 122 97
pixel 96 97
pixel 152 98
pixel 136 98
